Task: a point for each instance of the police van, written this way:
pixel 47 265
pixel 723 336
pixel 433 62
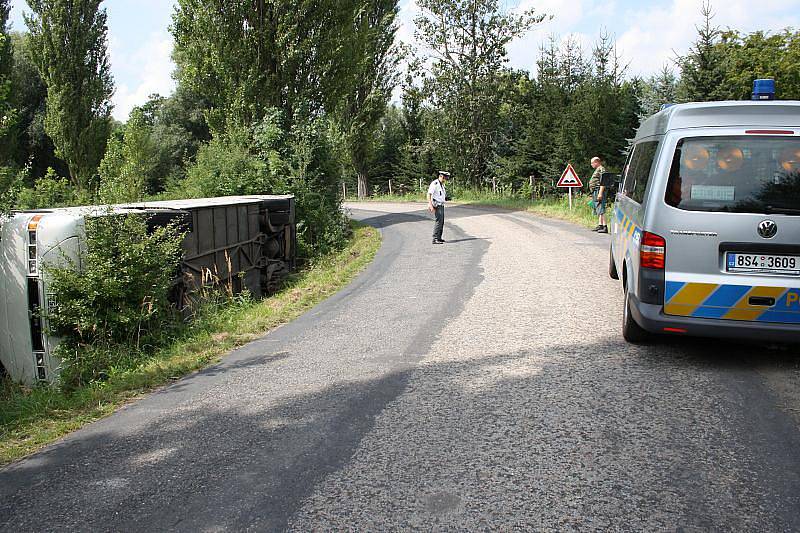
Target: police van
pixel 706 226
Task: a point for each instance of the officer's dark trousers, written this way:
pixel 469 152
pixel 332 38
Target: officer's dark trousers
pixel 438 228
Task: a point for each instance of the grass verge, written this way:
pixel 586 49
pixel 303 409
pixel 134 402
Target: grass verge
pixel 32 418
pixel 551 207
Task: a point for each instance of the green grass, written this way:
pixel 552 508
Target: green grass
pixel 33 418
pixel 551 207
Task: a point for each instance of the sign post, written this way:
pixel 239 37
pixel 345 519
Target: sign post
pixel 570 180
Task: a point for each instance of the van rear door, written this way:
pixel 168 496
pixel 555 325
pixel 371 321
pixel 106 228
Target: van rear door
pixel 734 228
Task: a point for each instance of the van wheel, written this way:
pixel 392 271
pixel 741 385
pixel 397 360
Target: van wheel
pixel 631 331
pixel 612 266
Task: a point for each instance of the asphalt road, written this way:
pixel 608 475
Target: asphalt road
pixel 482 384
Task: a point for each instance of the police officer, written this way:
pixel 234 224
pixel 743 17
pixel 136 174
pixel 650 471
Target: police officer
pixel 437 195
pixel 599 188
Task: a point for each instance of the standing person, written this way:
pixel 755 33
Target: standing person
pixel 598 189
pixel 437 195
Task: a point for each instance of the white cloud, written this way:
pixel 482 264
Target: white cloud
pixel 150 68
pixel 655 35
pixel 141 66
pixel 562 22
pixel 648 34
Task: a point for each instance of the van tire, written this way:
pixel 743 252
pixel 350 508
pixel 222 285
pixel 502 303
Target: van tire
pixel 612 266
pixel 631 331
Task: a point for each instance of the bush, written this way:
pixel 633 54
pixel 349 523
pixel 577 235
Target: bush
pixel 322 226
pixel 115 308
pixel 11 184
pixel 266 159
pixel 129 163
pixel 226 166
pixel 51 191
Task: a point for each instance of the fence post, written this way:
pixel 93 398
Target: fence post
pixel 344 191
pixel 390 187
pixel 533 191
pixel 494 185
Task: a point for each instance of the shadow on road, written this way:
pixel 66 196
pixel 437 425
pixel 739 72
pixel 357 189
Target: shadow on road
pixel 456 241
pixel 687 432
pixel 451 213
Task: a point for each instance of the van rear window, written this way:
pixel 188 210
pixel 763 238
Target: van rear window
pixel 736 174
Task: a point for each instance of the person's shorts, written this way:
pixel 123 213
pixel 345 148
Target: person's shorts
pixel 599 207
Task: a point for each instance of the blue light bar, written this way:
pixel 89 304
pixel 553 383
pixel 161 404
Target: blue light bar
pixel 666 106
pixel 764 89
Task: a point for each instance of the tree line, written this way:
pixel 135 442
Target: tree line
pixel 509 128
pixel 279 96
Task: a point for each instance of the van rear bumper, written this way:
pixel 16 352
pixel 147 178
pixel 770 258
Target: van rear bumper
pixel 652 318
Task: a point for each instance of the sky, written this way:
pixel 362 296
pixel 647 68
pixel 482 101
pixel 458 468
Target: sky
pixel 649 34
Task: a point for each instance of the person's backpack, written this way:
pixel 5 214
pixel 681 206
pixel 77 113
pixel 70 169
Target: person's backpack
pixel 611 182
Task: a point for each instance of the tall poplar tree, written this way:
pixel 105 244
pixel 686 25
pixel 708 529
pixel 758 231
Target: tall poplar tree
pixel 247 56
pixel 6 65
pixel 7 176
pixel 373 73
pixel 69 45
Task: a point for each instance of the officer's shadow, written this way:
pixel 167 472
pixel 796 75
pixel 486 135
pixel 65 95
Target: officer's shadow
pixel 454 241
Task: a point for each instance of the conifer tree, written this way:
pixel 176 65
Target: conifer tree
pixel 702 69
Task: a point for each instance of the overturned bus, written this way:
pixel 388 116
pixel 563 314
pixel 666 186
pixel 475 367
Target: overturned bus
pixel 247 242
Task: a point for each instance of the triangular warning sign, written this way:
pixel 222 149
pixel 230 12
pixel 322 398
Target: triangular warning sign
pixel 570 178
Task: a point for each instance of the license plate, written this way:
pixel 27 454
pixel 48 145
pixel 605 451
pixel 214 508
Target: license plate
pixel 763 264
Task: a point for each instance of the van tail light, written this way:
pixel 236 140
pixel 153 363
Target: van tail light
pixel 653 251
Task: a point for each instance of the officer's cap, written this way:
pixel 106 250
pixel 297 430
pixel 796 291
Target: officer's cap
pixel 445 175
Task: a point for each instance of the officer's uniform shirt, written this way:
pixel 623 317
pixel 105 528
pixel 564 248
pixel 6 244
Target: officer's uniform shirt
pixel 437 192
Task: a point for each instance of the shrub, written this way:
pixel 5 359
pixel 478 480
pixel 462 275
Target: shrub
pixel 267 159
pixel 11 184
pixel 322 226
pixel 51 190
pixel 129 162
pixel 226 166
pixel 115 307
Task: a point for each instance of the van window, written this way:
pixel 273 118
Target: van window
pixel 736 174
pixel 639 168
pixel 624 176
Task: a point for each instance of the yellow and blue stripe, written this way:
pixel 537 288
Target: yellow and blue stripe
pixel 731 302
pixel 629 231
